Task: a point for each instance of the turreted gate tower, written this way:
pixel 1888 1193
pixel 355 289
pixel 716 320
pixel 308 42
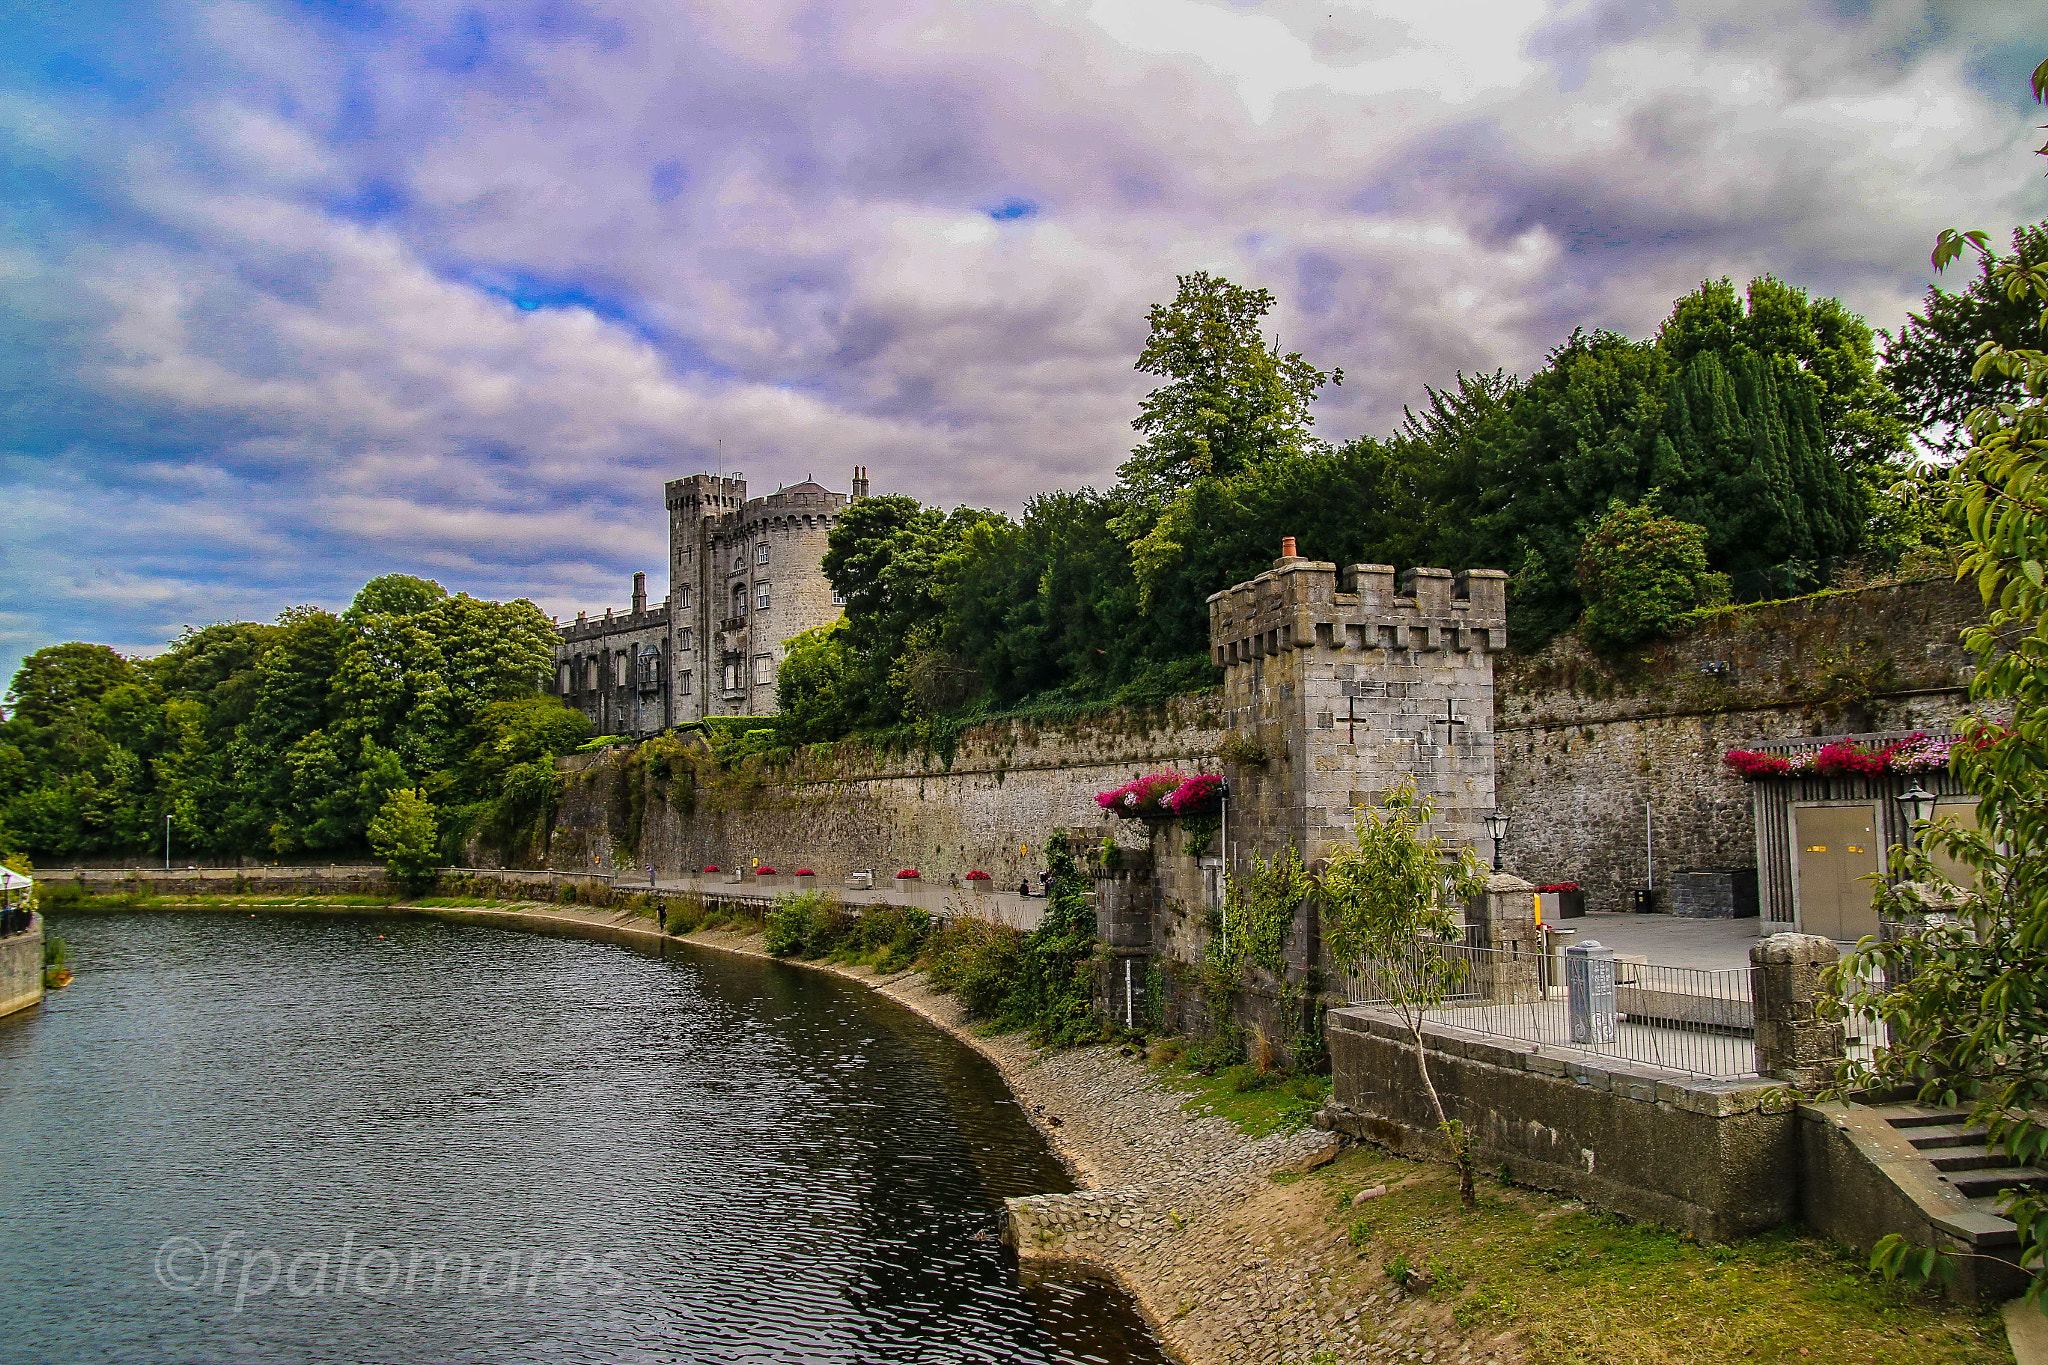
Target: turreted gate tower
pixel 1347 687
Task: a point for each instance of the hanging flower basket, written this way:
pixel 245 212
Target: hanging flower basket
pixel 1845 758
pixel 1200 795
pixel 1141 798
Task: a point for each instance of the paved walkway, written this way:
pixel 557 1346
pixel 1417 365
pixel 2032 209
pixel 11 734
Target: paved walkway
pixel 1714 945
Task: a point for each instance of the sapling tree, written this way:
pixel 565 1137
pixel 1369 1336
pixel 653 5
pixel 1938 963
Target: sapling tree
pixel 1389 899
pixel 1966 1000
pixel 406 836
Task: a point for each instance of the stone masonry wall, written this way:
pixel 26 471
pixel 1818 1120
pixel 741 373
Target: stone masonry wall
pixel 1009 785
pixel 1585 745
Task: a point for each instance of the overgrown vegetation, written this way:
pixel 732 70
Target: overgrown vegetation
pixel 814 924
pixel 1578 1285
pixel 288 739
pixel 1272 1098
pixel 1967 997
pixel 1756 417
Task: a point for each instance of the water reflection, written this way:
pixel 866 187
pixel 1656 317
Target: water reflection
pixel 378 1139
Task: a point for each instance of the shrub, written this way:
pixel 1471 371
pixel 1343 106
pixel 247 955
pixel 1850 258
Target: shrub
pixel 808 924
pixel 685 914
pixel 1640 572
pixel 978 961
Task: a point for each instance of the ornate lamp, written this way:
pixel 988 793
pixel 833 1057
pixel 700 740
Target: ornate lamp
pixel 1497 829
pixel 1918 804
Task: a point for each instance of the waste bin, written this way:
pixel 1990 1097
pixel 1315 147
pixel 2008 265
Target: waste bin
pixel 1643 900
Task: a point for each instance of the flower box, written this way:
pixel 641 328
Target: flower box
pixel 908 874
pixel 1554 903
pixel 805 872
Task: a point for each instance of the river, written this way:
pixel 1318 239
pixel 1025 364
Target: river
pixel 327 1139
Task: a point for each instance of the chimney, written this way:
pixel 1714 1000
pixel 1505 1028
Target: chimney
pixel 860 481
pixel 1287 548
pixel 639 593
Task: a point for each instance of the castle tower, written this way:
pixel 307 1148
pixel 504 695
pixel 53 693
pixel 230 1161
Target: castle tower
pixel 1350 688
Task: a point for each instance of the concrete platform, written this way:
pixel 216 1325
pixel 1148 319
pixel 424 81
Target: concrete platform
pixel 1714 945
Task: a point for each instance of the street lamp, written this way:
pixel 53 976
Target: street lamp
pixel 1497 827
pixel 1919 806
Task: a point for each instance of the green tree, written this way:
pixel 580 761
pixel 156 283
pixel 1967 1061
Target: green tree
pixel 1386 899
pixel 1931 361
pixel 891 558
pixel 814 690
pixel 1967 1001
pixel 1230 399
pixel 1639 572
pixel 406 836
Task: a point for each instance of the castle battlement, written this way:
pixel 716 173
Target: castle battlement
pixel 1302 603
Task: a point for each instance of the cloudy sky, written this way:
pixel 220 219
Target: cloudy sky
pixel 295 295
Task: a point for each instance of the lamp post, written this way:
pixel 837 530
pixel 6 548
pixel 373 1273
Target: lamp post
pixel 1497 827
pixel 1918 803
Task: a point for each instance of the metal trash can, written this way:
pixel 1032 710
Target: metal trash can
pixel 1643 900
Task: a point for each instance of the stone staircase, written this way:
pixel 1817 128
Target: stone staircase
pixel 1962 1156
pixel 1921 1171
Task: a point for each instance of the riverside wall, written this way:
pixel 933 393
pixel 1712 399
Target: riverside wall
pixel 1587 746
pixel 1004 789
pixel 21 968
pixel 1584 745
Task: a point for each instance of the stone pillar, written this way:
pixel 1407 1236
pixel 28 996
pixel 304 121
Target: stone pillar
pixel 1502 920
pixel 1795 1041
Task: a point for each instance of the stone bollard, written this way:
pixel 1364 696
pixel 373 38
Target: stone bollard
pixel 1589 993
pixel 1502 919
pixel 1795 1042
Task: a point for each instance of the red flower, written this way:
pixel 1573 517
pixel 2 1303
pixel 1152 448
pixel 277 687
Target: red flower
pixel 1753 765
pixel 712 868
pixel 977 876
pixel 907 874
pixel 805 872
pixel 1560 886
pixel 764 872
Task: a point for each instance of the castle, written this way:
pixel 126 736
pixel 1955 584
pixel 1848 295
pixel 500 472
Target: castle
pixel 745 576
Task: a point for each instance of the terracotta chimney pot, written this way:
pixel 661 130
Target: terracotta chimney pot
pixel 1287 548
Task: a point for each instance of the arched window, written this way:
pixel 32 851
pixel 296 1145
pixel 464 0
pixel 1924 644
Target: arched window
pixel 684 603
pixel 739 600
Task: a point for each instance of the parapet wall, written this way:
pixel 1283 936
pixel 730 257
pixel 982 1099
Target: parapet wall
pixel 852 808
pixel 21 968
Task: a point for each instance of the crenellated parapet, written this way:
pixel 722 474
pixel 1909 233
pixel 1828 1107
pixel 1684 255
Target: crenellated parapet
pixel 1302 604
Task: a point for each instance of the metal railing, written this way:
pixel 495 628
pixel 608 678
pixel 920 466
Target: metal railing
pixel 1679 1019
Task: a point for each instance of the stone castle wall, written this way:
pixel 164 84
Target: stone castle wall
pixel 1008 785
pixel 1582 747
pixel 1585 746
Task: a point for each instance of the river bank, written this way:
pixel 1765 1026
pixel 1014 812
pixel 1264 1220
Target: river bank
pixel 1181 1209
pixel 1242 1249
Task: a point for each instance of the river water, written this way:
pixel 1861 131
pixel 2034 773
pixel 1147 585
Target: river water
pixel 378 1139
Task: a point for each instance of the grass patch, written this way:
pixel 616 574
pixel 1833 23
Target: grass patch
pixel 1584 1286
pixel 456 903
pixel 1257 1101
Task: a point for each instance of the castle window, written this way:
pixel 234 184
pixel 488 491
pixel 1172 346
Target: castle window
pixel 684 641
pixel 761 596
pixel 562 678
pixel 739 559
pixel 761 553
pixel 764 669
pixel 684 688
pixel 619 670
pixel 732 675
pixel 590 675
pixel 739 600
pixel 684 604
